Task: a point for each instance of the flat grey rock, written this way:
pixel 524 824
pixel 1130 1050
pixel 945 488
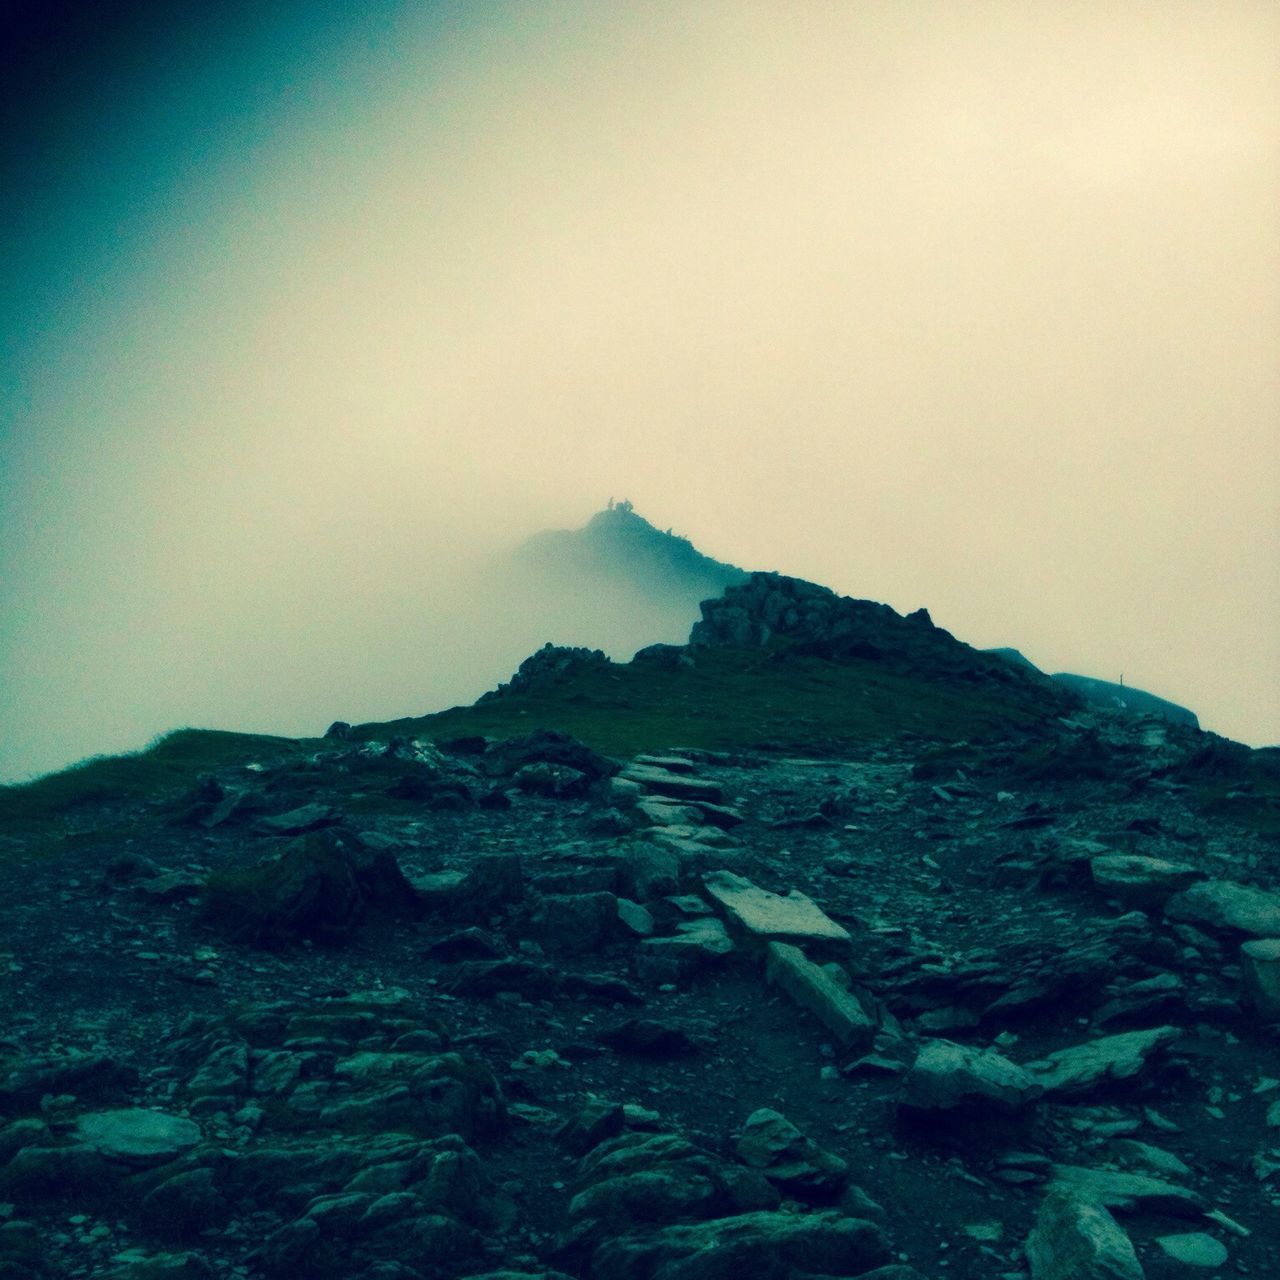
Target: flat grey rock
pixel 134 1135
pixel 1084 1068
pixel 1127 1192
pixel 1223 904
pixel 1139 880
pixel 1195 1249
pixel 769 916
pixel 814 989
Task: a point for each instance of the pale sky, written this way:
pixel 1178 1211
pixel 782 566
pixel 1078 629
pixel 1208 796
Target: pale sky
pixel 975 307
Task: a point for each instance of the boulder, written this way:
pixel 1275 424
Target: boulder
pixel 815 990
pixel 1229 907
pixel 576 923
pixel 1077 1239
pixel 950 1077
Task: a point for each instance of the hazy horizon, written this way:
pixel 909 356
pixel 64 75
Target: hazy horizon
pixel 308 311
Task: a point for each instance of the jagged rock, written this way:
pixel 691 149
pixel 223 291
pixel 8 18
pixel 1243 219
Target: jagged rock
pixel 1260 960
pixel 1076 1239
pixel 950 1077
pixel 764 1245
pixel 558 781
pixel 1225 905
pixel 815 990
pixel 548 667
pixel 789 1159
pixel 136 1136
pixel 545 746
pixel 1127 1192
pixel 1085 1068
pixel 1195 1249
pixel 1141 881
pixel 767 917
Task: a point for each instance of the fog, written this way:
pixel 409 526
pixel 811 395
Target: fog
pixel 308 312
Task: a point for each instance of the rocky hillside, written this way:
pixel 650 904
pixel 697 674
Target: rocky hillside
pixel 926 971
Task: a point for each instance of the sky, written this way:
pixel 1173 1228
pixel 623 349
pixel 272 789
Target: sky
pixel 307 309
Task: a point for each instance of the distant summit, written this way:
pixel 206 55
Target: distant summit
pixel 620 551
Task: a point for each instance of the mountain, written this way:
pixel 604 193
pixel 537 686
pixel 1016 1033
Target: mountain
pixel 619 551
pixel 818 944
pixel 1109 696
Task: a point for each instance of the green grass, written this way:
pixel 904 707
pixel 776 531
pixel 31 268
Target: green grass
pixel 740 699
pixel 169 764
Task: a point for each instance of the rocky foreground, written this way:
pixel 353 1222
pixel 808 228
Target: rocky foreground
pixel 407 1010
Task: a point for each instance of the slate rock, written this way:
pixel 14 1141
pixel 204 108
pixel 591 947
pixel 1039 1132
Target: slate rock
pixel 1195 1249
pixel 1141 881
pixel 764 1245
pixel 1228 906
pixel 1127 1192
pixel 136 1136
pixel 769 917
pixel 815 990
pixel 1084 1069
pixel 1077 1239
pixel 947 1077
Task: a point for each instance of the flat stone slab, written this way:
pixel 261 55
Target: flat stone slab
pixel 1074 1072
pixel 136 1136
pixel 1223 904
pixel 1140 880
pixel 1195 1249
pixel 947 1077
pixel 770 917
pixel 678 785
pixel 814 989
pixel 1127 1192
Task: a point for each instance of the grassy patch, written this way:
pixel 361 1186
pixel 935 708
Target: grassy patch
pixel 169 764
pixel 741 699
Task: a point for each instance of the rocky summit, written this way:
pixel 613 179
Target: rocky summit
pixel 823 946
